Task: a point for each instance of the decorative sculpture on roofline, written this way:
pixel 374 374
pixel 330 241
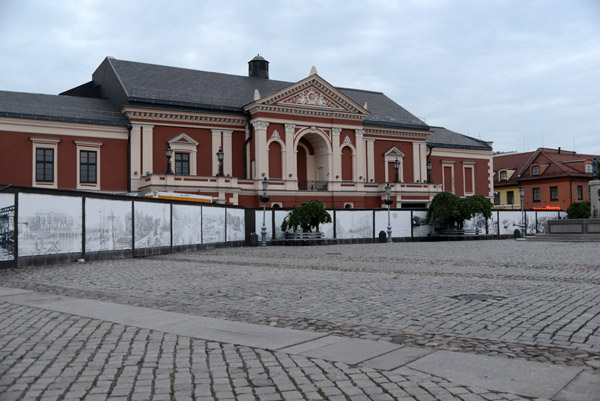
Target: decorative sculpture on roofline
pixel 595 170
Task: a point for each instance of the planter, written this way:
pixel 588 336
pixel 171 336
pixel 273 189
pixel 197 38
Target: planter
pixel 303 235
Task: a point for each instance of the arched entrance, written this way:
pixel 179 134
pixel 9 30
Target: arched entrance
pixel 313 156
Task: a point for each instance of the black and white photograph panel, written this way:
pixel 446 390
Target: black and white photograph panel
pixel 49 224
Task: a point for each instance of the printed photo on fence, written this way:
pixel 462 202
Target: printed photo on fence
pixel 187 224
pixel 152 224
pixel 49 224
pixel 213 224
pixel 354 224
pixel 420 228
pixel 107 225
pixel 7 226
pixel 235 225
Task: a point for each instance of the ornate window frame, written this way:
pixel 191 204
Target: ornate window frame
pixel 183 143
pixel 90 146
pixel 390 156
pixel 44 143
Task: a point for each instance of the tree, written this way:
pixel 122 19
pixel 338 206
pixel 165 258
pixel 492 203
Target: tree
pixel 579 210
pixel 447 209
pixel 477 204
pixel 452 211
pixel 306 217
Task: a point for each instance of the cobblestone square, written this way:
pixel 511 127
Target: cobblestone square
pixel 508 299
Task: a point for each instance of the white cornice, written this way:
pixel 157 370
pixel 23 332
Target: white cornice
pixel 179 116
pixel 62 128
pixel 397 133
pixel 302 111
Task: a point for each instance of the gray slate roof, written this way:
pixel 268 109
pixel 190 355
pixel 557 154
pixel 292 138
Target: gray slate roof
pixel 444 138
pixel 150 83
pixel 60 108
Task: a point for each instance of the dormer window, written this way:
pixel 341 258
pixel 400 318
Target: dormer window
pixel 535 170
pixel 503 175
pixel 588 169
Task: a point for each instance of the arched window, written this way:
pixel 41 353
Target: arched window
pixel 347 164
pixel 275 160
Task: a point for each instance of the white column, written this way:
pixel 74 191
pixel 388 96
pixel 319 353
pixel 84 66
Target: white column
pixel 370 158
pixel 147 142
pixel 136 151
pixel 227 150
pixel 360 154
pixel 419 161
pixel 216 142
pixel 261 160
pixel 290 155
pixel 337 155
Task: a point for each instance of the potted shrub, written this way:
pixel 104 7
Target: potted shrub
pixel 579 210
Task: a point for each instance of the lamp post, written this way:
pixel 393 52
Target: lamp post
pixel 522 193
pixel 429 168
pixel 264 198
pixel 388 201
pixel 396 167
pixel 169 153
pixel 220 159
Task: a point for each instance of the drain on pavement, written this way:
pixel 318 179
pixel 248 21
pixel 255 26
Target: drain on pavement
pixel 478 297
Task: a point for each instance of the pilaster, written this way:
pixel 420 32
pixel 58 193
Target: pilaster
pixel 290 158
pixel 147 144
pixel 216 142
pixel 337 154
pixel 227 153
pixel 261 160
pixel 360 155
pixel 370 158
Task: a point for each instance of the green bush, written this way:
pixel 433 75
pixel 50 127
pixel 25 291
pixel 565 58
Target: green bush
pixel 579 210
pixel 306 217
pixel 452 211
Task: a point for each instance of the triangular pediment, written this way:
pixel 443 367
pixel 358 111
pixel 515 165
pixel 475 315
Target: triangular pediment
pixel 311 93
pixel 394 151
pixel 183 139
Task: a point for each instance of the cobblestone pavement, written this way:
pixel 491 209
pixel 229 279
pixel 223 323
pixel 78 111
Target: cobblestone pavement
pixel 539 301
pixel 515 299
pixel 46 355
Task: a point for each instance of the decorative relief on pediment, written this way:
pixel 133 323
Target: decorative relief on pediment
pixel 311 97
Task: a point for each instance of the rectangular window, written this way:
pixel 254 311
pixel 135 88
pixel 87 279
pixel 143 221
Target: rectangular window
pixel 579 192
pixel 88 167
pixel 536 195
pixel 535 170
pixel 182 164
pixel 44 165
pixel 503 175
pixel 496 198
pixel 553 193
pixel 510 197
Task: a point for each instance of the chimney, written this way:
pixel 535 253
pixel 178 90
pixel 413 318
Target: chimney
pixel 258 67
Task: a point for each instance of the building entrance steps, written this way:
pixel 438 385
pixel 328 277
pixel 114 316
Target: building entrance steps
pixel 525 378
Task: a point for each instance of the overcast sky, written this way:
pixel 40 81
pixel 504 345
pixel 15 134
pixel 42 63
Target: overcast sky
pixel 523 74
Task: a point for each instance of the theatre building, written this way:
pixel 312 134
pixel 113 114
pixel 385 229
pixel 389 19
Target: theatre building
pixel 225 134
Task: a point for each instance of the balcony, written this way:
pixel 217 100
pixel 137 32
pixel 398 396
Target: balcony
pixel 313 186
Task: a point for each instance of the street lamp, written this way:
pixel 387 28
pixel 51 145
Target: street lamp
pixel 524 224
pixel 396 167
pixel 220 159
pixel 429 168
pixel 264 198
pixel 388 201
pixel 169 153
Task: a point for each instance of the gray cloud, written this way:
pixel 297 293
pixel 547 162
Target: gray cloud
pixel 511 72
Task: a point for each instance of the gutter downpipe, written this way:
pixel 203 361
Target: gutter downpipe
pixel 129 127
